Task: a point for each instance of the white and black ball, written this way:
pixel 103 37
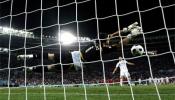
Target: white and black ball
pixel 137 50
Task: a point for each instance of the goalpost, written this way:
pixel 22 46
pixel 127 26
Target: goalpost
pixel 34 55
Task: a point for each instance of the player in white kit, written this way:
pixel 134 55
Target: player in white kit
pixel 122 64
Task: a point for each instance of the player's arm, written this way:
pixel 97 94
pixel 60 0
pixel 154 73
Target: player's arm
pixel 130 63
pixel 125 29
pixel 117 32
pixel 112 35
pixel 115 69
pixel 133 28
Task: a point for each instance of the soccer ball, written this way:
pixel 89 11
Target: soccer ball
pixel 137 50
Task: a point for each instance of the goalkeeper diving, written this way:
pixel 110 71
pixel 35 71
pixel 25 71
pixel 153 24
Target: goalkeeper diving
pixel 132 30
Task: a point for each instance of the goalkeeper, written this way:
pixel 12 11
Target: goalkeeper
pixel 133 30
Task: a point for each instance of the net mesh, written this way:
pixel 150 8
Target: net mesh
pixel 34 57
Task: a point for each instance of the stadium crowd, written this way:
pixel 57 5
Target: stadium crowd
pixel 162 71
pixel 17 78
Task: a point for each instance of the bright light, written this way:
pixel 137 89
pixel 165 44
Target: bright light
pixel 67 38
pixel 14 32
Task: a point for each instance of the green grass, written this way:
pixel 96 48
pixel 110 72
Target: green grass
pixel 167 92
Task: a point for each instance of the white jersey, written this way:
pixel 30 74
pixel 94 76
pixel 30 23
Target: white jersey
pixel 122 65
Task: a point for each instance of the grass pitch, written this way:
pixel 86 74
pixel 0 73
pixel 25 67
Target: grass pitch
pixel 141 92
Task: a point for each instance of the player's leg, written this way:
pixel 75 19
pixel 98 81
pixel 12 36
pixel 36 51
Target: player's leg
pixel 122 74
pixel 114 35
pixel 127 75
pixel 121 80
pixel 129 80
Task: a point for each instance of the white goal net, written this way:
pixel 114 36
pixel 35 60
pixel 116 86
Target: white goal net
pixel 68 49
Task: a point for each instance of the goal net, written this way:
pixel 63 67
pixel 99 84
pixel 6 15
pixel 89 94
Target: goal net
pixel 68 49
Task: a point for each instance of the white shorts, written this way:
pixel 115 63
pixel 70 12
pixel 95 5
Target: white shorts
pixel 124 74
